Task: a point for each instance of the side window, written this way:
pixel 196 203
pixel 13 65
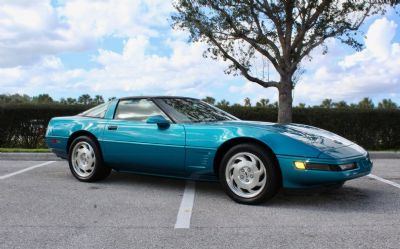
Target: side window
pixel 97 111
pixel 137 110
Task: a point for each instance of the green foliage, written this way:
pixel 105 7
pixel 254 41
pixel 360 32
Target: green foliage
pixel 223 103
pixel 209 100
pixel 262 103
pixel 387 104
pixel 42 99
pixel 327 103
pixel 340 105
pixel 366 103
pixel 24 125
pixel 247 102
pixel 85 99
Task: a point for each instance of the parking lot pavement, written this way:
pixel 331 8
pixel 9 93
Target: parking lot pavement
pixel 388 169
pixel 47 208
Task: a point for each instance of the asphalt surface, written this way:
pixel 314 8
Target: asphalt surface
pixel 45 207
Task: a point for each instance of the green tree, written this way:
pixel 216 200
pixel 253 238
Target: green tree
pixel 98 99
pixel 85 99
pixel 42 99
pixel 327 103
pixel 341 105
pixel 247 102
pixel 366 103
pixel 282 32
pixel 387 104
pixel 301 105
pixel 262 103
pixel 71 101
pixel 14 98
pixel 209 100
pixel 223 103
pixel 63 101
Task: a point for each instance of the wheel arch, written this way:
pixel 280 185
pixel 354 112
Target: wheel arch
pixel 223 148
pixel 79 133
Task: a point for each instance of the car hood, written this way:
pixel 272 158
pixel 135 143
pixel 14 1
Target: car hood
pixel 329 143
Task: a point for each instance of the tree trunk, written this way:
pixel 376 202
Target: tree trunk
pixel 285 100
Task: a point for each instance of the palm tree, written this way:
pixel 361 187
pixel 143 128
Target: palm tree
pixel 223 103
pixel 71 101
pixel 327 103
pixel 209 100
pixel 84 99
pixel 247 102
pixel 366 103
pixel 262 103
pixel 341 105
pixel 42 99
pixel 301 105
pixel 98 99
pixel 387 104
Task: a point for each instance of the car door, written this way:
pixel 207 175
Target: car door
pixel 131 144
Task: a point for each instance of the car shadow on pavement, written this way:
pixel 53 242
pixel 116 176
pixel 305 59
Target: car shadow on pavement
pixel 348 198
pixel 132 180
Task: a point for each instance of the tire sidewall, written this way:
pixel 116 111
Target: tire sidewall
pixel 96 153
pixel 272 182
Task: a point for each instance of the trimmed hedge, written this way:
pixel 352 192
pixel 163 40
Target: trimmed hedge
pixel 24 125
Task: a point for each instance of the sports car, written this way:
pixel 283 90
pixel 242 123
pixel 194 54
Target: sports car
pixel 187 138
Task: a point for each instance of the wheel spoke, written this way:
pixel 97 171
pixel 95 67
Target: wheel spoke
pixel 243 174
pixel 83 159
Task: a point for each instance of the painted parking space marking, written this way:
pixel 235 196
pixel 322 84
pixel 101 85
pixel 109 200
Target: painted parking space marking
pixel 384 180
pixel 25 170
pixel 186 207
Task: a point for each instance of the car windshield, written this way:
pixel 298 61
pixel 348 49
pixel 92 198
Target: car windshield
pixel 192 110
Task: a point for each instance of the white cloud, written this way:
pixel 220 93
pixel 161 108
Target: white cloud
pixel 134 71
pixel 33 29
pixel 372 72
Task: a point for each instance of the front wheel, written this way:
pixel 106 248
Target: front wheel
pixel 248 174
pixel 85 161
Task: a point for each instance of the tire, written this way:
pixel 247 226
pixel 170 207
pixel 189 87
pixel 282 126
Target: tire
pixel 335 186
pixel 85 160
pixel 248 174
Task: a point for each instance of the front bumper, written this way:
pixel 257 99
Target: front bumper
pixel 296 178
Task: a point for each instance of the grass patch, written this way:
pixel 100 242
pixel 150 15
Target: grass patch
pixel 16 150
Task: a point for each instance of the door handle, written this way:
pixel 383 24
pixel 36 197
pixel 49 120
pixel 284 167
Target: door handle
pixel 112 127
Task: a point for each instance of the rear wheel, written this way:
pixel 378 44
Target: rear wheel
pixel 248 174
pixel 85 161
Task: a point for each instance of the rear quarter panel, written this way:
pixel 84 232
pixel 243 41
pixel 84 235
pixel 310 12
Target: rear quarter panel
pixel 60 129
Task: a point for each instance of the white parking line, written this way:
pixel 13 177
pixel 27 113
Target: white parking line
pixel 26 169
pixel 185 209
pixel 384 180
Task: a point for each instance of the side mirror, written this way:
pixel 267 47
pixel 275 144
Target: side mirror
pixel 159 120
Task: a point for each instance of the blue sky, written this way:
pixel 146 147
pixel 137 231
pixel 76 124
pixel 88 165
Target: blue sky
pixel 127 47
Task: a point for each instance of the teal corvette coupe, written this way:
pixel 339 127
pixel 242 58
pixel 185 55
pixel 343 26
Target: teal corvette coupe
pixel 187 138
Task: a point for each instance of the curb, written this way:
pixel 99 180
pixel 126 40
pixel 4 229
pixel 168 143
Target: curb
pixel 29 156
pixel 384 154
pixel 51 157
